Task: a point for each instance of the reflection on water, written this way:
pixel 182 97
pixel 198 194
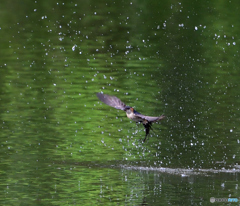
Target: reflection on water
pixel 60 145
pixel 114 183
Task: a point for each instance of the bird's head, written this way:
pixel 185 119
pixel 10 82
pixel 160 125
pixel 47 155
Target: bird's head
pixel 128 109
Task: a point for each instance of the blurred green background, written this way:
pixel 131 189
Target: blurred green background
pixel 61 146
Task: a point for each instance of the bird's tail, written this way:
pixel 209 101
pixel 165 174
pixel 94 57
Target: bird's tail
pixel 147 126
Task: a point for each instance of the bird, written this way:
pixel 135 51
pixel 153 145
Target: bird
pixel 131 113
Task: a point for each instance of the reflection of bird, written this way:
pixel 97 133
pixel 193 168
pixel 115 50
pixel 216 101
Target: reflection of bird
pixel 131 113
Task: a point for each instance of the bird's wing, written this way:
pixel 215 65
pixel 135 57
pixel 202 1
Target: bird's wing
pixel 111 101
pixel 149 118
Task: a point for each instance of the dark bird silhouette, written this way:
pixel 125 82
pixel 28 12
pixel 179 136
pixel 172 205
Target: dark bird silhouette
pixel 131 113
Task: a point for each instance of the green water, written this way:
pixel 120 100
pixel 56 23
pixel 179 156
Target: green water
pixel 61 146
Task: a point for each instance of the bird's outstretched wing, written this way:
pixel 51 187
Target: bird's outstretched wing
pixel 149 118
pixel 111 101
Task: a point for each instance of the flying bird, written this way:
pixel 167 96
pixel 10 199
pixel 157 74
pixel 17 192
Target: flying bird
pixel 131 113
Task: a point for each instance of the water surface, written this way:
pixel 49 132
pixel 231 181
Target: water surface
pixel 61 146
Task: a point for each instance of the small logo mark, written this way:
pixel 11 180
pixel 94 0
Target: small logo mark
pixel 212 199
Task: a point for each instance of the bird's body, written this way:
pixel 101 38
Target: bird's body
pixel 131 113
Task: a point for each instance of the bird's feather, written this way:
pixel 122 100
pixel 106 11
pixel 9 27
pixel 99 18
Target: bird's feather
pixel 149 118
pixel 111 101
pixel 147 126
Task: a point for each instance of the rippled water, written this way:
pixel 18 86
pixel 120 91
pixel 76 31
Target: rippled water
pixel 61 146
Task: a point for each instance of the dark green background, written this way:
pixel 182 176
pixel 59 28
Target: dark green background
pixel 61 146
